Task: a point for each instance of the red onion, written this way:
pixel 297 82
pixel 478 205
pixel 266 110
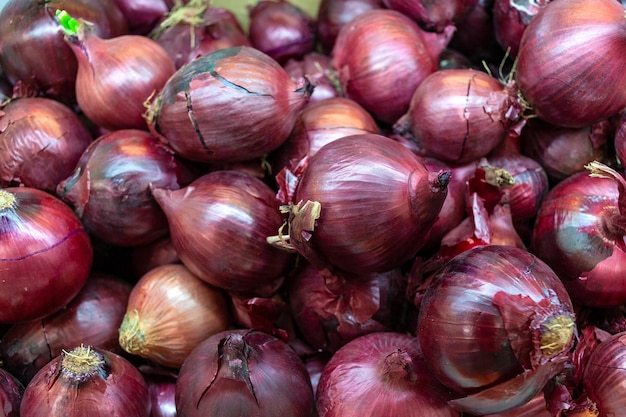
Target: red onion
pixel 357 184
pixel 317 67
pixel 169 312
pixel 195 29
pixel 433 15
pixel 244 373
pixel 451 59
pixel 333 14
pixel 234 104
pixel 41 141
pixel 563 151
pixel 115 76
pixel 219 224
pixel 331 311
pixel 536 407
pixel 11 392
pixel 381 374
pixel 45 254
pixel 605 375
pixel 579 232
pixel 619 140
pixel 87 381
pixel 510 18
pixel 92 317
pixel 381 57
pixel 162 391
pixel 142 15
pixel 269 315
pixel 475 37
pixel 459 115
pixel 30 36
pixel 495 325
pixel 110 188
pixel 281 29
pixel 569 67
pixel 317 125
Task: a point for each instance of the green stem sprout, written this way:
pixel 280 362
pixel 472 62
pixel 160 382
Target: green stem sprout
pixel 69 24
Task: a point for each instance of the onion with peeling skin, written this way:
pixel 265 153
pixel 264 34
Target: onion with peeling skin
pixel 11 392
pixel 169 312
pixel 41 141
pixel 231 105
pixel 92 317
pixel 45 254
pixel 87 381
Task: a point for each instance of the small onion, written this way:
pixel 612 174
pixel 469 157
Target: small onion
pixel 115 76
pixel 495 325
pixel 11 392
pixel 231 105
pixel 110 187
pixel 45 254
pixel 219 224
pixel 244 373
pixel 570 66
pixel 194 29
pixel 281 29
pixel 33 53
pixel 433 15
pixel 142 15
pixel 357 184
pixel 459 115
pixel 317 67
pixel 381 374
pixel 41 141
pixel 87 381
pixel 169 312
pixel 579 232
pixel 92 317
pixel 162 389
pixel 381 57
pixel 510 19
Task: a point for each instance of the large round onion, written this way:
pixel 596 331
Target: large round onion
pixel 233 104
pixel 495 325
pixel 219 224
pixel 358 184
pixel 570 66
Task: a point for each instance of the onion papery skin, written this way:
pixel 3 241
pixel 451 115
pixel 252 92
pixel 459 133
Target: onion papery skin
pixel 536 407
pixel 110 187
pixel 282 30
pixel 381 57
pixel 169 312
pixel 231 105
pixel 30 36
pixel 578 233
pixel 510 19
pixel 362 183
pixel 332 15
pixel 105 384
pixel 92 317
pixel 569 66
pixel 459 115
pixel 317 67
pixel 317 125
pixel 564 151
pixel 604 376
pixel 41 141
pixel 433 15
pixel 11 392
pixel 235 213
pixel 142 15
pixel 38 233
pixel 200 31
pixel 117 76
pixel 495 324
pixel 378 374
pixel 244 373
pixel 331 312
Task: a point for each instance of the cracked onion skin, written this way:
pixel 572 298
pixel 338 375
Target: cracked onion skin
pixel 45 254
pixel 234 104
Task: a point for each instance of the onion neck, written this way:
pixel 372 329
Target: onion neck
pixel 557 333
pixel 132 337
pixel 82 364
pixel 397 368
pixel 7 200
